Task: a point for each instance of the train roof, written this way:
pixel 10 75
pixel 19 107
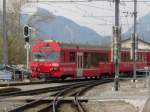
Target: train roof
pixel 84 46
pixel 45 46
pixel 80 46
pixel 60 45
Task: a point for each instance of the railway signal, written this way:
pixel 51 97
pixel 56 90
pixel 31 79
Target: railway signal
pixel 26 31
pixel 27 34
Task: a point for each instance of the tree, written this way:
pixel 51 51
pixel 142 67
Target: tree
pixel 13 16
pixel 1 48
pixel 17 54
pixel 16 50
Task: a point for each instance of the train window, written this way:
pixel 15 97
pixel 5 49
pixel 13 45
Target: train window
pixel 72 56
pixel 39 56
pixel 62 56
pixel 103 57
pixel 86 60
pixel 123 57
pixel 94 59
pixel 143 57
pixel 128 56
pixel 138 56
pixel 106 57
pixel 52 56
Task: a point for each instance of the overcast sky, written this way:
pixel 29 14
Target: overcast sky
pixel 95 15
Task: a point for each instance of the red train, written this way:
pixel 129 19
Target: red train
pixel 58 60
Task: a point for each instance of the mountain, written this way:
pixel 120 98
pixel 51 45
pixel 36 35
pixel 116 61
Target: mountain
pixel 143 28
pixel 63 29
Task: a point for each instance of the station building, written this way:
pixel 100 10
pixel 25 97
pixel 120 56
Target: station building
pixel 143 45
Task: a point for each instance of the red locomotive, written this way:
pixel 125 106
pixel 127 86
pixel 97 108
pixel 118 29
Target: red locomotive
pixel 59 60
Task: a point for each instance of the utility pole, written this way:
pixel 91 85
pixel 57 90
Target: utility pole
pixel 134 40
pixel 5 45
pixel 116 45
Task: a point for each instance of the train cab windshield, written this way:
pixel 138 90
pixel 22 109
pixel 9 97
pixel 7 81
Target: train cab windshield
pixel 46 56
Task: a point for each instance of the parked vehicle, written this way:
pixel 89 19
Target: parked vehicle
pixel 6 75
pixel 16 72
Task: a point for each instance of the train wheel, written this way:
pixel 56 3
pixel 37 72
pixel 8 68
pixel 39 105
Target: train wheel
pixel 62 77
pixel 102 76
pixel 96 77
pixel 86 77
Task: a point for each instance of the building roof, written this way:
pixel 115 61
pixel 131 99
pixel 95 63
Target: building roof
pixel 139 39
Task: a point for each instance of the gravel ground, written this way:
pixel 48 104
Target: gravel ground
pixel 109 106
pixel 38 86
pixel 126 88
pixel 131 97
pixel 5 106
pixel 67 107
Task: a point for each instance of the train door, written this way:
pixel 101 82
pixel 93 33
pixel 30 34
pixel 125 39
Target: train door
pixel 79 64
pixel 148 58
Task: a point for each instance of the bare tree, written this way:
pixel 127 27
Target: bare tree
pixel 13 16
pixel 16 49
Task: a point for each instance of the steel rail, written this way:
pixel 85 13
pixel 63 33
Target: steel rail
pixel 37 102
pixel 79 93
pixel 62 92
pixel 38 91
pixel 25 83
pixel 32 92
pixel 41 82
pixel 53 104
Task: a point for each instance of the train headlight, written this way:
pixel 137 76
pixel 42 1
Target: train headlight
pixel 50 69
pixel 55 69
pixel 34 69
pixel 55 64
pixel 38 69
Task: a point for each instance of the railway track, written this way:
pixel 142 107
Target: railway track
pixel 13 91
pixel 46 106
pixel 36 91
pixel 41 82
pixel 24 83
pixel 78 93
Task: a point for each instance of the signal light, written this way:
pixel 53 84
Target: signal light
pixel 26 31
